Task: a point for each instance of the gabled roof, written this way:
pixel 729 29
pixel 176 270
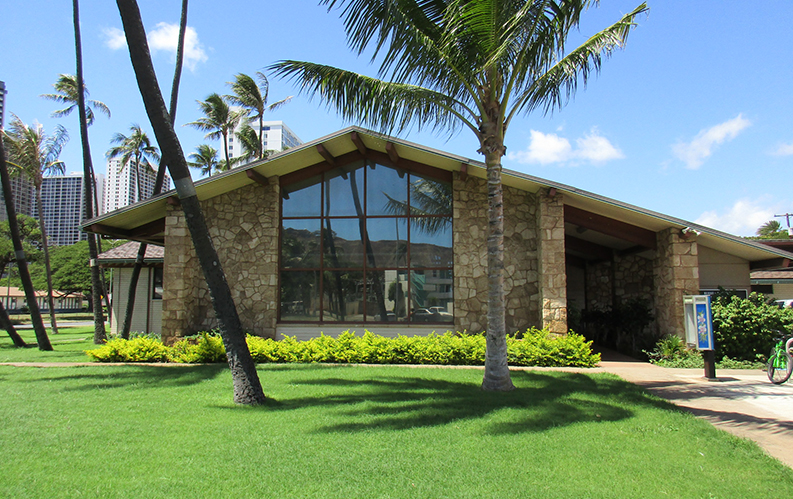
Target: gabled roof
pixel 145 221
pixel 127 253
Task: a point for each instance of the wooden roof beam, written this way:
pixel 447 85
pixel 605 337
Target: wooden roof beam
pixel 463 172
pixel 610 227
pixel 771 263
pixel 149 229
pixel 257 177
pixel 358 141
pixel 326 155
pixel 390 148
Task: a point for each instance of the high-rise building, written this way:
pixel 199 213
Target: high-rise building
pixel 22 191
pixel 121 186
pixel 276 137
pixel 63 202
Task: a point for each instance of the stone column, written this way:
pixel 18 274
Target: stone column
pixel 553 274
pixel 180 279
pixel 676 273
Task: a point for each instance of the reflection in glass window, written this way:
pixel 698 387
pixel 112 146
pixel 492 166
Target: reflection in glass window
pixel 300 244
pixel 348 238
pixel 300 296
pixel 345 249
pixel 156 289
pixel 302 199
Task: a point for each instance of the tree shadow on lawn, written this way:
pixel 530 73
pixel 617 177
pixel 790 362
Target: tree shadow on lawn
pixel 109 377
pixel 542 400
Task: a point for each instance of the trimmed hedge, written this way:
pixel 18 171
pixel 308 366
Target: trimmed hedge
pixel 536 348
pixel 745 328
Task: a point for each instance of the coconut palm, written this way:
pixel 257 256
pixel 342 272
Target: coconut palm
pixel 205 159
pixel 136 151
pixel 34 155
pixel 42 339
pixel 252 97
pixel 66 93
pixel 218 121
pixel 97 287
pixel 475 64
pixel 247 387
pixel 771 230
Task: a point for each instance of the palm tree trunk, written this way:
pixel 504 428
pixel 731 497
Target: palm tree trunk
pixel 226 149
pixel 5 321
pixel 47 268
pixel 496 376
pixel 35 314
pixel 100 336
pixel 261 135
pixel 247 387
pixel 160 180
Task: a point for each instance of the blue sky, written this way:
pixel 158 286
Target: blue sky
pixel 693 119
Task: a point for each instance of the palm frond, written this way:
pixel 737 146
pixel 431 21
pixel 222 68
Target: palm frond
pixel 385 105
pixel 553 88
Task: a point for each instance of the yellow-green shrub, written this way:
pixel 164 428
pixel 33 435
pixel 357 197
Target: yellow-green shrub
pixel 535 348
pixel 141 349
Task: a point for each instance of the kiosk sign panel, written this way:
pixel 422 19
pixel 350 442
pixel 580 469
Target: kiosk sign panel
pixel 698 321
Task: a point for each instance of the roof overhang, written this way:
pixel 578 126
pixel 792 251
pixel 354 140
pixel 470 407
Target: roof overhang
pixel 622 222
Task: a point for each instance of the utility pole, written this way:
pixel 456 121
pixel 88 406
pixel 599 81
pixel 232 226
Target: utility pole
pixel 787 218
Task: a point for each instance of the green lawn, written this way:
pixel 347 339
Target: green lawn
pixel 360 432
pixel 68 345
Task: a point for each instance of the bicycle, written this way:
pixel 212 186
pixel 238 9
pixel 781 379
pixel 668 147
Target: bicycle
pixel 780 362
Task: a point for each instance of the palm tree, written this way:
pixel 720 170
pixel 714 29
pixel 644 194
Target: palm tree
pixel 451 64
pixel 218 121
pixel 253 97
pixel 89 180
pixel 251 144
pixel 19 252
pixel 30 237
pixel 66 93
pixel 35 155
pixel 134 150
pixel 247 387
pixel 205 159
pixel 771 229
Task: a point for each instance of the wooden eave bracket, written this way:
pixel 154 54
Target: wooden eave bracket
pixel 326 155
pixel 173 201
pixel 463 171
pixel 257 177
pixel 390 148
pixel 358 141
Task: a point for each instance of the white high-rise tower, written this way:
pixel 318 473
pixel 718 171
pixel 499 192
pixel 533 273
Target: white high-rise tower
pixel 121 186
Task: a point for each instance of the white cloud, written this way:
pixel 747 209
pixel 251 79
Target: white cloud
pixel 783 150
pixel 114 38
pixel 163 38
pixel 743 218
pixel 552 148
pixel 693 153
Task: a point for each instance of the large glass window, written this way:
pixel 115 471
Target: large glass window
pixel 366 243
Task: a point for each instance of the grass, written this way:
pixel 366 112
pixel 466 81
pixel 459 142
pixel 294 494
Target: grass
pixel 68 345
pixel 356 431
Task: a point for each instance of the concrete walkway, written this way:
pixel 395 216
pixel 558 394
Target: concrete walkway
pixel 742 402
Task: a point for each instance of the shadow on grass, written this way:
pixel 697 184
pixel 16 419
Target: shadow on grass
pixel 541 401
pixel 148 376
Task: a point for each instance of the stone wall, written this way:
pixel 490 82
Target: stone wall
pixel 243 225
pixel 551 258
pixel 676 273
pixel 470 257
pixel 633 278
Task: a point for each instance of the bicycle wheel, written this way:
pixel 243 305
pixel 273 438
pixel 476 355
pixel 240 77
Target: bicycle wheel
pixel 780 366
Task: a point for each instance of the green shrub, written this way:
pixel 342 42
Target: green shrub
pixel 671 351
pixel 140 349
pixel 534 348
pixel 745 328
